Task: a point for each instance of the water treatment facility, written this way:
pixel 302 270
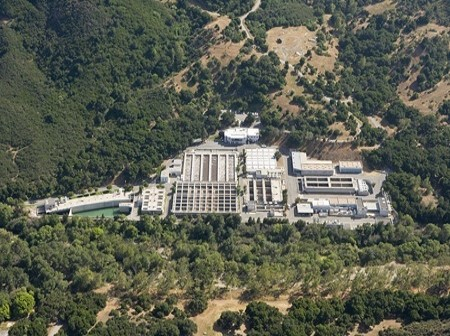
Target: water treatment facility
pixel 245 178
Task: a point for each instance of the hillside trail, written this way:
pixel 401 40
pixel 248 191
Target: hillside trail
pixel 244 17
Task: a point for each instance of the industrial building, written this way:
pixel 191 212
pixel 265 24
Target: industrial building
pixel 355 207
pixel 208 183
pixel 241 136
pixel 303 166
pixel 261 163
pixel 204 197
pixel 304 209
pixel 350 167
pixel 72 206
pixel 334 185
pixel 164 176
pixel 210 165
pixel 175 168
pixel 153 200
pixel 264 194
pixel 383 206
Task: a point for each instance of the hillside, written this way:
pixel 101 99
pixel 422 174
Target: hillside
pixel 368 78
pixel 86 97
pixel 77 104
pixel 101 92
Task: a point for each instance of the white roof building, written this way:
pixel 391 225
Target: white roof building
pixel 153 200
pixel 164 176
pixel 241 135
pixel 363 187
pixel 304 209
pixel 354 167
pixel 260 158
pixel 262 163
pixel 304 166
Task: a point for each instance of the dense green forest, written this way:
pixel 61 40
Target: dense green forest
pixel 50 266
pixel 233 7
pixel 79 106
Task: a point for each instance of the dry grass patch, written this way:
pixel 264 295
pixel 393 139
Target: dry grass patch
pixel 104 289
pixel 428 198
pixel 380 7
pixel 111 304
pixel 340 126
pixel 291 44
pixel 335 151
pixel 205 321
pixel 430 30
pixel 295 42
pixel 428 101
pixel 386 324
pixel 326 62
pixel 221 21
pixel 376 122
pixel 285 103
pixel 223 51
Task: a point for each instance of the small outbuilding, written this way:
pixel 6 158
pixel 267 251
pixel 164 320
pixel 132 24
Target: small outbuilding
pixel 304 209
pixel 350 167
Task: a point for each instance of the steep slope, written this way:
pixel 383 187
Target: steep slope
pixel 80 88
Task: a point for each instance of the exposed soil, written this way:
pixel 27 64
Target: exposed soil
pixel 429 200
pixel 380 7
pixel 244 27
pixel 104 289
pixel 291 44
pixel 379 327
pixel 332 151
pixel 345 134
pixel 223 51
pixel 428 101
pixel 111 304
pixel 53 330
pixel 205 320
pixel 376 122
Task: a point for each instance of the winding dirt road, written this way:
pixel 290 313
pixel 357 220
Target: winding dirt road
pixel 243 17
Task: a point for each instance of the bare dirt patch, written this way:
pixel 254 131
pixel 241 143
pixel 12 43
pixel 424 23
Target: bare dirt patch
pixel 340 126
pixel 205 321
pixel 428 199
pixel 285 103
pixel 377 122
pixel 53 330
pixel 223 51
pixel 428 101
pixel 291 44
pixel 221 21
pixel 326 62
pixel 379 327
pixel 335 151
pixel 104 289
pixel 294 42
pixel 429 30
pixel 380 7
pixel 111 304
